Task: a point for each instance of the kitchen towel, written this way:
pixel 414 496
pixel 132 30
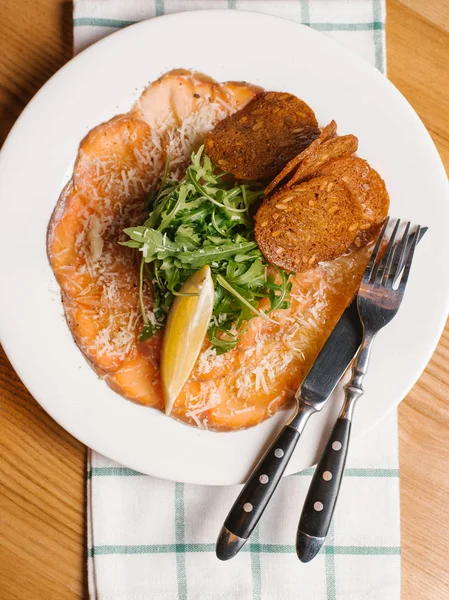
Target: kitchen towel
pixel 155 539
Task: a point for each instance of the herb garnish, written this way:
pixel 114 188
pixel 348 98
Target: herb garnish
pixel 205 219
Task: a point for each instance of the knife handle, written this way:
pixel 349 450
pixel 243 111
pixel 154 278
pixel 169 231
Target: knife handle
pixel 256 493
pixel 322 496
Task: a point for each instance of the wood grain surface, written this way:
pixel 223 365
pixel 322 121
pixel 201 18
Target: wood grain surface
pixel 42 539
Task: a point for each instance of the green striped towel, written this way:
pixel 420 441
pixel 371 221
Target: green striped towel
pixel 154 539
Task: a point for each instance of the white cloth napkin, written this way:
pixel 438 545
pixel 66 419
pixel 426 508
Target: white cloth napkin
pixel 154 539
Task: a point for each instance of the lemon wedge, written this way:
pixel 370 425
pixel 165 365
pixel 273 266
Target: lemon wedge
pixel 185 331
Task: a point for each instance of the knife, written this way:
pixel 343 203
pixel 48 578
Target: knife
pixel 319 383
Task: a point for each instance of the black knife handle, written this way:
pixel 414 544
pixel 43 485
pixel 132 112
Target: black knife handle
pixel 322 496
pixel 256 493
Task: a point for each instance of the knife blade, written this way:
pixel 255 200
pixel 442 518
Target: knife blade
pixel 319 383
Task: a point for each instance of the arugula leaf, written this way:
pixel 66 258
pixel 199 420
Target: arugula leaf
pixel 206 219
pixel 148 331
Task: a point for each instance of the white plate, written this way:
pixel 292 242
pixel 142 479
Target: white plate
pixel 105 80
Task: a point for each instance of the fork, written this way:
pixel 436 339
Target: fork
pixel 378 300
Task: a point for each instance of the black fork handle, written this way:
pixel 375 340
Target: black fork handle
pixel 323 492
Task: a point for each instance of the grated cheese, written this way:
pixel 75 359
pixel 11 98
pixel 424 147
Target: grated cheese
pixel 244 410
pixel 209 360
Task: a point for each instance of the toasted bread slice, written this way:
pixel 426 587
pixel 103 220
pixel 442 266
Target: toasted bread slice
pixel 257 141
pixel 337 147
pixel 308 223
pixel 328 132
pixel 367 186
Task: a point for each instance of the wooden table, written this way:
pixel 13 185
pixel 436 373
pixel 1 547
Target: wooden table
pixel 42 532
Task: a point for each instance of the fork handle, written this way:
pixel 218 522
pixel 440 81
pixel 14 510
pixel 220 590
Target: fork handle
pixel 322 496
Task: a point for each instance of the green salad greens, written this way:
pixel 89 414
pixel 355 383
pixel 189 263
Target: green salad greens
pixel 205 219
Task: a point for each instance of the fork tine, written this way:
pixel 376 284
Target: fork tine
pixel 375 252
pixel 399 256
pixel 422 231
pixel 408 262
pixel 383 267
